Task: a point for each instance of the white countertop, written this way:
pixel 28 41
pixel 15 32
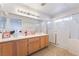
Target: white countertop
pixel 21 37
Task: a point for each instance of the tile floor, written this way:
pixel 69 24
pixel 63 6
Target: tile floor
pixel 52 50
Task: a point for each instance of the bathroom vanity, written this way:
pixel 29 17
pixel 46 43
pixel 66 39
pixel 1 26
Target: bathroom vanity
pixel 24 45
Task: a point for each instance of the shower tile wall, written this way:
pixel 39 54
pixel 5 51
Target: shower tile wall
pixel 68 34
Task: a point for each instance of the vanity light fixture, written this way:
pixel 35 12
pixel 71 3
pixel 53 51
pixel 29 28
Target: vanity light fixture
pixel 27 13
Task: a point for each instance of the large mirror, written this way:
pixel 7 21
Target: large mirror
pixel 2 23
pixel 15 26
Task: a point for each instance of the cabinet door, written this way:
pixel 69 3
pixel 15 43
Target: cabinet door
pixel 0 49
pixel 31 45
pixel 43 41
pixel 7 49
pixel 21 47
pixel 34 44
pixel 46 43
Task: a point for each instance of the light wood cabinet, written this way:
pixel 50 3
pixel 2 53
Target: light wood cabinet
pixel 46 42
pixel 31 45
pixel 43 41
pixel 0 49
pixel 22 48
pixel 37 43
pixel 7 49
pixel 34 44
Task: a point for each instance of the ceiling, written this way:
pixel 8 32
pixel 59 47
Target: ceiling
pixel 52 9
pixel 47 10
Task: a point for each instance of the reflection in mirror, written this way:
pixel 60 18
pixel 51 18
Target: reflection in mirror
pixel 2 22
pixel 31 26
pixel 2 25
pixel 15 26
